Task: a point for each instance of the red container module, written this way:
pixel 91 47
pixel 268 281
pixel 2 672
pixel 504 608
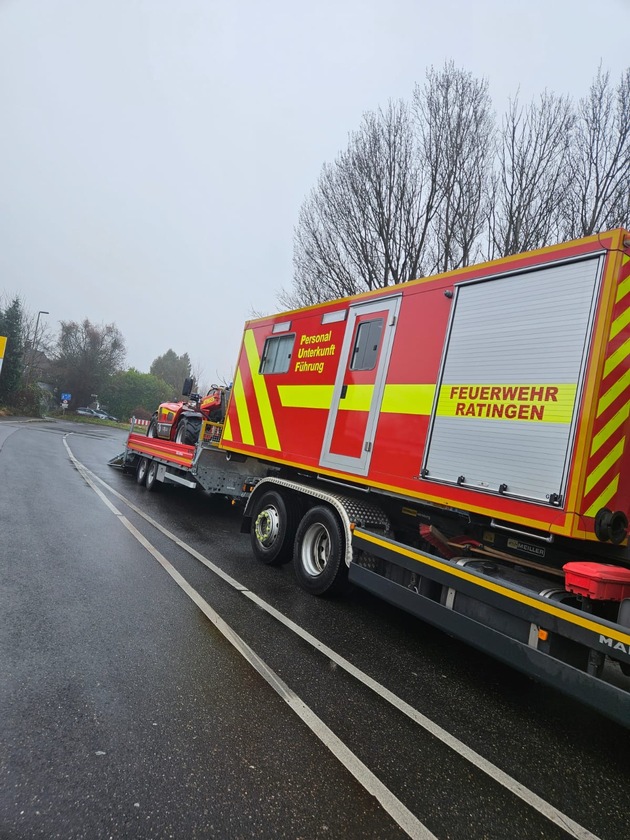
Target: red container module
pixel 600 581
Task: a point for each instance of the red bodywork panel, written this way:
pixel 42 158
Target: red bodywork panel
pixel 329 412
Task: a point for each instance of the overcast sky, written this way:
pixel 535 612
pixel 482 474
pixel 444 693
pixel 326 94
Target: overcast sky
pixel 154 154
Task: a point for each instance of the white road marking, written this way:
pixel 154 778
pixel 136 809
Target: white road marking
pixel 407 821
pixel 545 808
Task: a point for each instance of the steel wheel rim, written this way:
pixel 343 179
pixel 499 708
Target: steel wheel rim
pixel 315 549
pixel 267 526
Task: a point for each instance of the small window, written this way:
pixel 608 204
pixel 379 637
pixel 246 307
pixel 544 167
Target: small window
pixel 366 345
pixel 276 356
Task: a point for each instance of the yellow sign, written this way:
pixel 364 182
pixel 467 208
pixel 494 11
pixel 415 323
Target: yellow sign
pixel 546 403
pixel 3 345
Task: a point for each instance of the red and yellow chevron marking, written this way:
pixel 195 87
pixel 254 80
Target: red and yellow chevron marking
pixel 613 407
pixel 261 410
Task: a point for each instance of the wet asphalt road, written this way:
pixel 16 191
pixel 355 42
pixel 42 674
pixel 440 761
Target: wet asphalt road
pixel 124 712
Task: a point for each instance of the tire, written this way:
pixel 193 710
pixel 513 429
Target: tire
pixel 151 480
pixel 274 522
pixel 319 555
pixel 152 429
pixel 141 471
pixel 188 431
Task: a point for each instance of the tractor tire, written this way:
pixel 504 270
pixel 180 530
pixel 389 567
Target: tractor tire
pixel 188 430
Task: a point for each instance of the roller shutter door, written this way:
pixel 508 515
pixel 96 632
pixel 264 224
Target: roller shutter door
pixel 512 373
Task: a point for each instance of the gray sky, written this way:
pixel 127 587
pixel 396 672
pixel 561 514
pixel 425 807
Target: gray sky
pixel 154 154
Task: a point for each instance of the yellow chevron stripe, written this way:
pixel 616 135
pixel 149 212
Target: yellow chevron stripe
pixel 619 323
pixel 604 497
pixel 623 289
pixel 227 430
pixel 612 393
pixel 602 436
pixel 242 412
pixel 617 357
pixel 602 468
pixel 260 389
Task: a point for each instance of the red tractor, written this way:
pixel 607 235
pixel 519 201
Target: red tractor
pixel 182 421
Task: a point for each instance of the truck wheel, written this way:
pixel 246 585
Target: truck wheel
pixel 188 431
pixel 274 521
pixel 141 472
pixel 151 480
pixel 152 429
pixel 319 556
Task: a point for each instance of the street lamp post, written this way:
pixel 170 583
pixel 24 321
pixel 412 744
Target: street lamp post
pixel 34 346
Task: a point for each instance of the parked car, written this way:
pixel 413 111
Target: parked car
pixel 95 412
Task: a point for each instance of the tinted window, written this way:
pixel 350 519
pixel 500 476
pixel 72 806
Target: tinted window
pixel 366 345
pixel 276 356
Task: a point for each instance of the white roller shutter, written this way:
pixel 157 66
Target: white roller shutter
pixel 511 380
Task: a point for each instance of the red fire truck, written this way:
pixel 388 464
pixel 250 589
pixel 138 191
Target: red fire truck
pixel 456 445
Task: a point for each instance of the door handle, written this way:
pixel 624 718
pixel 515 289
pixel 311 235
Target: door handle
pixel 344 391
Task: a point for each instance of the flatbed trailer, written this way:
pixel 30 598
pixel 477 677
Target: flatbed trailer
pixel 201 466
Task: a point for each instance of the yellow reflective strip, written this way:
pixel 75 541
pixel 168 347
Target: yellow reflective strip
pixel 604 497
pixel 524 402
pixel 227 430
pixel 602 436
pixel 455 571
pixel 612 393
pixel 305 396
pixel 624 286
pixel 397 399
pixel 601 469
pixel 617 357
pixel 260 389
pixel 358 398
pixel 619 323
pixel 408 399
pixel 242 412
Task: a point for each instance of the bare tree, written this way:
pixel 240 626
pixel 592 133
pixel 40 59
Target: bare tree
pixel 532 175
pixel 456 128
pixel 598 197
pixel 365 224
